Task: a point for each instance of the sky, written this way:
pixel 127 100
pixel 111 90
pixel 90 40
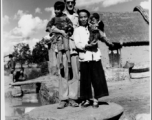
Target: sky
pixel 25 20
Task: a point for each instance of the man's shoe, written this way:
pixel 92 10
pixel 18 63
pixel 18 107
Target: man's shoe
pixel 73 103
pixel 62 105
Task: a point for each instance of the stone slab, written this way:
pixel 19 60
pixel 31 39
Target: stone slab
pixel 50 112
pixel 42 79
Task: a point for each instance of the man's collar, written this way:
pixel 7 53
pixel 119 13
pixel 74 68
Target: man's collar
pixel 74 12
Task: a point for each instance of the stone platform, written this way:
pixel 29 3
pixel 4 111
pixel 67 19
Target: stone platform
pixel 111 111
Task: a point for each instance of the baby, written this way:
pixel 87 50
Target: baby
pixel 96 28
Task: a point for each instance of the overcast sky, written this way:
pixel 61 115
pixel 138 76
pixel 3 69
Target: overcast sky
pixel 25 20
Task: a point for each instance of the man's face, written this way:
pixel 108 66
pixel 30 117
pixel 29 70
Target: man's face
pixel 83 18
pixel 70 4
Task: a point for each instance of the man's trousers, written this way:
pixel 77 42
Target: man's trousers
pixel 69 89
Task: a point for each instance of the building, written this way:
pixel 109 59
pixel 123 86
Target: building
pixel 130 33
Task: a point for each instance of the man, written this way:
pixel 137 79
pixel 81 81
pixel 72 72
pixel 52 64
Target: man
pixel 68 90
pixel 19 75
pixel 11 65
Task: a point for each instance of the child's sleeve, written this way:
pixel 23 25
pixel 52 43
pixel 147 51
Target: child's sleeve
pixel 101 26
pixel 102 37
pixel 50 24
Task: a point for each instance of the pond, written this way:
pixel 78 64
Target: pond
pixel 18 106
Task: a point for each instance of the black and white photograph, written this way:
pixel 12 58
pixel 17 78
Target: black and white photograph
pixel 75 59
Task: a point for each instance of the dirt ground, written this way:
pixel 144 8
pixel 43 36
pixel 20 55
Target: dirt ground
pixel 133 96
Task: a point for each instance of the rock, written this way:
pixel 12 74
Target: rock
pixel 49 93
pixel 50 112
pixel 17 92
pixel 143 117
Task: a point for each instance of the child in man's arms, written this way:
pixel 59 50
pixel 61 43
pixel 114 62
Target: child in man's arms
pixel 61 22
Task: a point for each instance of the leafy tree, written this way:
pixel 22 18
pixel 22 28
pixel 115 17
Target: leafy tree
pixel 40 52
pixel 22 53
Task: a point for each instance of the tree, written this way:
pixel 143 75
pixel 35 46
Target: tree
pixel 22 53
pixel 40 52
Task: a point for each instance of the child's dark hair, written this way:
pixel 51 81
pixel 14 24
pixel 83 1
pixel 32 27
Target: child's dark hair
pixel 96 16
pixel 59 5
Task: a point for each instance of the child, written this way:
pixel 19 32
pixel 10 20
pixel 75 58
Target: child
pixel 61 22
pixel 97 29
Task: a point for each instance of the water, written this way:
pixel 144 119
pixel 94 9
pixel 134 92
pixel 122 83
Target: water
pixel 19 106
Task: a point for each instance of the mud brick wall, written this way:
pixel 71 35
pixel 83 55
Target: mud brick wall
pixel 116 74
pixel 136 54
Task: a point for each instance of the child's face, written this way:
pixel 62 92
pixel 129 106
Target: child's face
pixel 58 12
pixel 94 21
